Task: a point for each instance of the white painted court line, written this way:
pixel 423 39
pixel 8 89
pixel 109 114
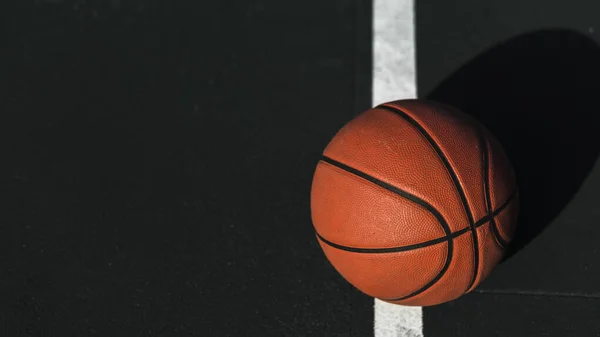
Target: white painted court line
pixel 394 77
pixel 394 64
pixel 397 321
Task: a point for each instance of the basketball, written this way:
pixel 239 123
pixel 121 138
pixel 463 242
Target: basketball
pixel 414 202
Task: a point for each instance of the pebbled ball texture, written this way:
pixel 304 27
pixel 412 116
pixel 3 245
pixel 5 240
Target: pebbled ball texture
pixel 414 202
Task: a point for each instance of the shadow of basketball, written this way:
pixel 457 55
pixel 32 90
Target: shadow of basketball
pixel 539 94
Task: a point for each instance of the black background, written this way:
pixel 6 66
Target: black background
pixel 157 159
pixel 156 166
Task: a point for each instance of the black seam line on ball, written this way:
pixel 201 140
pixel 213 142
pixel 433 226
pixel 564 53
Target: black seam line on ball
pixel 505 204
pixel 481 222
pixel 499 210
pixel 454 178
pixel 486 184
pixel 416 200
pixel 391 249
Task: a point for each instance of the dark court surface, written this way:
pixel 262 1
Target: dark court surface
pixel 529 71
pixel 156 166
pixel 515 315
pixel 157 159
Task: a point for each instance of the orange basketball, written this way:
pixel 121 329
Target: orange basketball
pixel 414 202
